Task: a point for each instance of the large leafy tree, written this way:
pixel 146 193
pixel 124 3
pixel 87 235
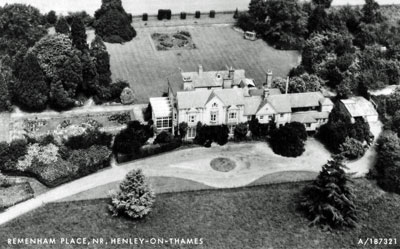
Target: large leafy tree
pixel 51 17
pixel 371 12
pixel 32 90
pixel 134 198
pixel 62 26
pixel 62 67
pixel 112 23
pixel 289 140
pixel 20 26
pixel 286 24
pixel 329 200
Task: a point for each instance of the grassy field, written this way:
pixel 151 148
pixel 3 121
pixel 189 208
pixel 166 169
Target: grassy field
pixel 218 46
pixel 256 217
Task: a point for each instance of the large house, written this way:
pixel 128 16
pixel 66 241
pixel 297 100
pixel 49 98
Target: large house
pixel 228 97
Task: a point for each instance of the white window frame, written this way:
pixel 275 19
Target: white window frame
pixel 261 117
pixel 191 133
pixel 232 115
pixel 213 116
pixel 192 118
pixel 164 122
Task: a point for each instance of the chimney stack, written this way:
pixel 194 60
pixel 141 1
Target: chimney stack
pixel 287 85
pixel 269 79
pixel 200 70
pixel 231 73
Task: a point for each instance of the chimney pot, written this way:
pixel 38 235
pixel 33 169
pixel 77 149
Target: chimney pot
pixel 269 79
pixel 200 69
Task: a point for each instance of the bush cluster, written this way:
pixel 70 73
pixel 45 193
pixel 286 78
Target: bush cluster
pixel 289 139
pixel 208 134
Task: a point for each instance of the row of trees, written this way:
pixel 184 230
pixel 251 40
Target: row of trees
pixel 37 71
pixel 349 48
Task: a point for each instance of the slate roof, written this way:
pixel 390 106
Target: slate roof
pixel 281 103
pixel 303 118
pixel 359 107
pixel 210 79
pixel 198 99
pixel 308 99
pixel 251 105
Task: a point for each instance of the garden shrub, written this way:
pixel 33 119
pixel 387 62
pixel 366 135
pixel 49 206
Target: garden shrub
pixel 236 14
pixel 212 14
pixel 208 134
pixel 183 127
pixel 240 132
pixel 260 130
pixel 90 160
pixel 197 14
pixel 145 17
pixel 130 140
pixel 289 140
pixel 183 15
pixel 120 118
pixel 135 198
pixel 88 139
pixel 55 174
pixel 163 137
pixel 164 14
pixel 352 149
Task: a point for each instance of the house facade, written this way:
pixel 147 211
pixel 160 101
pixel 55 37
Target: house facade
pixel 228 97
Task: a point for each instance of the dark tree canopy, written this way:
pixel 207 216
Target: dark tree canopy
pixel 62 67
pixel 329 200
pixel 21 26
pixel 371 12
pixel 324 3
pixel 32 91
pixel 62 26
pixel 112 23
pixel 51 17
pixel 5 100
pixel 102 61
pixel 289 139
pixel 78 34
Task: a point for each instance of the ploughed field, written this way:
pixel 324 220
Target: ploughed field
pixel 254 217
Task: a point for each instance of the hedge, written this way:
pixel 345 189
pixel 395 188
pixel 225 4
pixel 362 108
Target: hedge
pixel 212 14
pixel 150 150
pixel 164 14
pixel 197 14
pixel 145 17
pixel 183 15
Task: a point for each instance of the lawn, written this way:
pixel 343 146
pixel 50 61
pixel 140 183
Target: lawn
pixel 15 193
pixel 217 46
pixel 256 217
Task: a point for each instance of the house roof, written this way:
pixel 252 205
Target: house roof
pixel 210 78
pixel 359 107
pixel 251 105
pixel 303 118
pixel 198 99
pixel 281 103
pixel 307 99
pixel 161 107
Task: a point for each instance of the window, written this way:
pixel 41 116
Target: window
pixel 282 115
pixel 215 105
pixel 175 116
pixel 232 115
pixel 218 76
pixel 308 125
pixel 213 117
pixel 261 117
pixel 192 118
pixel 164 123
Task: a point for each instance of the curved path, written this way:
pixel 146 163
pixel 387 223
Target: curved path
pixel 254 160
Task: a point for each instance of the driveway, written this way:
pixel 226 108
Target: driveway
pixel 253 160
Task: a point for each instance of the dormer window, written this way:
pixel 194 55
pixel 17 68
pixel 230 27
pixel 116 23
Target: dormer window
pixel 187 79
pixel 218 76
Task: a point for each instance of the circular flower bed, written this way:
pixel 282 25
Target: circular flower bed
pixel 223 164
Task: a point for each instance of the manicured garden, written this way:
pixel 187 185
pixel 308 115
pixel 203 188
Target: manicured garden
pixel 178 40
pixel 256 217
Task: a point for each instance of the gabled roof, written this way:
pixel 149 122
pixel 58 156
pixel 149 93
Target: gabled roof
pixel 359 107
pixel 161 107
pixel 251 105
pixel 280 102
